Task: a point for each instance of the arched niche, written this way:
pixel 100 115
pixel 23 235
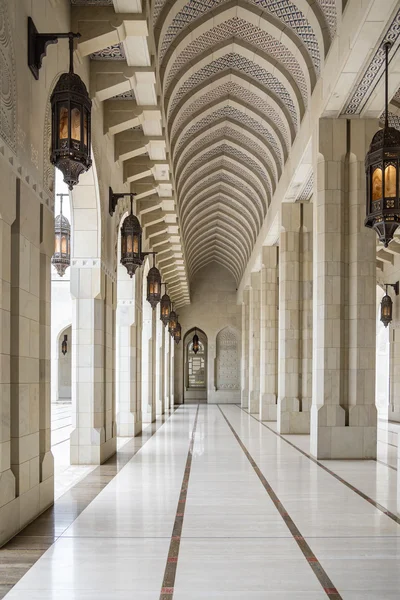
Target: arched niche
pixel 227 367
pixel 195 367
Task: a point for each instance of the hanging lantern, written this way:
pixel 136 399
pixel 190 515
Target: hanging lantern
pixel 61 258
pixel 382 169
pixel 196 346
pixel 173 320
pixel 165 307
pixel 387 304
pixel 131 243
pixel 64 345
pixel 153 285
pixel 177 333
pixel 71 127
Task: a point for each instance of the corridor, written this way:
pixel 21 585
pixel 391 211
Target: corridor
pixel 215 505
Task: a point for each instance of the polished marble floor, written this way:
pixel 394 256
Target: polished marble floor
pixel 212 504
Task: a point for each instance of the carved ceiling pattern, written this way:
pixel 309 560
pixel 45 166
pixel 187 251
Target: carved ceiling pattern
pixel 234 91
pixel 235 62
pixel 241 30
pixel 283 10
pixel 228 150
pixel 236 115
pixel 225 132
pixel 223 162
pixel 236 80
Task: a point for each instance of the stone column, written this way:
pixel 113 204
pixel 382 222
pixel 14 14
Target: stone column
pixel 254 344
pixel 167 369
pixel 306 314
pixel 245 349
pixel 128 417
pixel 93 438
pixel 172 373
pixel 25 264
pixel 269 334
pixel 290 418
pixel 160 407
pixel 343 415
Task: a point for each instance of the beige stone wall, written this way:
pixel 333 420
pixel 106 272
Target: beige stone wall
pixel 213 307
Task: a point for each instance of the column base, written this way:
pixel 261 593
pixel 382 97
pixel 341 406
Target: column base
pixel 331 438
pixel 268 407
pixel 244 398
pixel 254 402
pixel 96 451
pixel 290 418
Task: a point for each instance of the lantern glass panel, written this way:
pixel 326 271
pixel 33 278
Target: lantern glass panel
pixel 390 181
pixel 63 123
pixel 136 244
pixel 64 244
pixel 377 184
pixel 129 243
pixel 76 124
pixel 85 128
pixel 57 243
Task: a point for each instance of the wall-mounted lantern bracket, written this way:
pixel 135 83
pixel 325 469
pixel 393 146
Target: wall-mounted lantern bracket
pixel 113 199
pixel 37 45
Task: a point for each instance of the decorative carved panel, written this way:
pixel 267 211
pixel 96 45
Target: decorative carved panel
pixel 228 375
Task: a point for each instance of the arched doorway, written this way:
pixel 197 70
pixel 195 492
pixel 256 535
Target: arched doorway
pixel 195 368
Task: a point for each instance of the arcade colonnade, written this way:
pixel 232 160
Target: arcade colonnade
pixel 232 125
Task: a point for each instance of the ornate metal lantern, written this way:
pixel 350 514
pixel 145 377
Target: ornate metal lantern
pixel 177 333
pixel 382 165
pixel 196 345
pixel 387 304
pixel 64 345
pixel 173 320
pixel 71 128
pixel 71 108
pixel 61 258
pixel 153 285
pixel 165 307
pixel 131 243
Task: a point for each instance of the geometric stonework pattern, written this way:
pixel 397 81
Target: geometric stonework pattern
pixel 234 91
pixel 115 52
pixel 364 87
pixel 235 62
pixel 227 150
pixel 239 29
pixel 223 163
pixel 221 134
pixel 8 91
pixel 307 190
pixel 92 2
pixel 237 116
pixel 284 10
pixel 228 372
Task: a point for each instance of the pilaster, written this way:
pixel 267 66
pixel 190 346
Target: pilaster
pixel 245 348
pixel 93 329
pixel 343 415
pixel 254 344
pixel 269 334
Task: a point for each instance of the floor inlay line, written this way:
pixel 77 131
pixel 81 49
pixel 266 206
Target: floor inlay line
pixel 312 560
pixel 168 583
pixel 374 503
pixel 22 551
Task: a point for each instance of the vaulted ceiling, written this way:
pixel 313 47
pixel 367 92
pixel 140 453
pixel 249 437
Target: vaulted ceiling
pixel 236 79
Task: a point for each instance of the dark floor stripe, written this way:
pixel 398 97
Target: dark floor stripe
pixel 351 487
pixel 168 583
pixel 20 554
pixel 312 560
